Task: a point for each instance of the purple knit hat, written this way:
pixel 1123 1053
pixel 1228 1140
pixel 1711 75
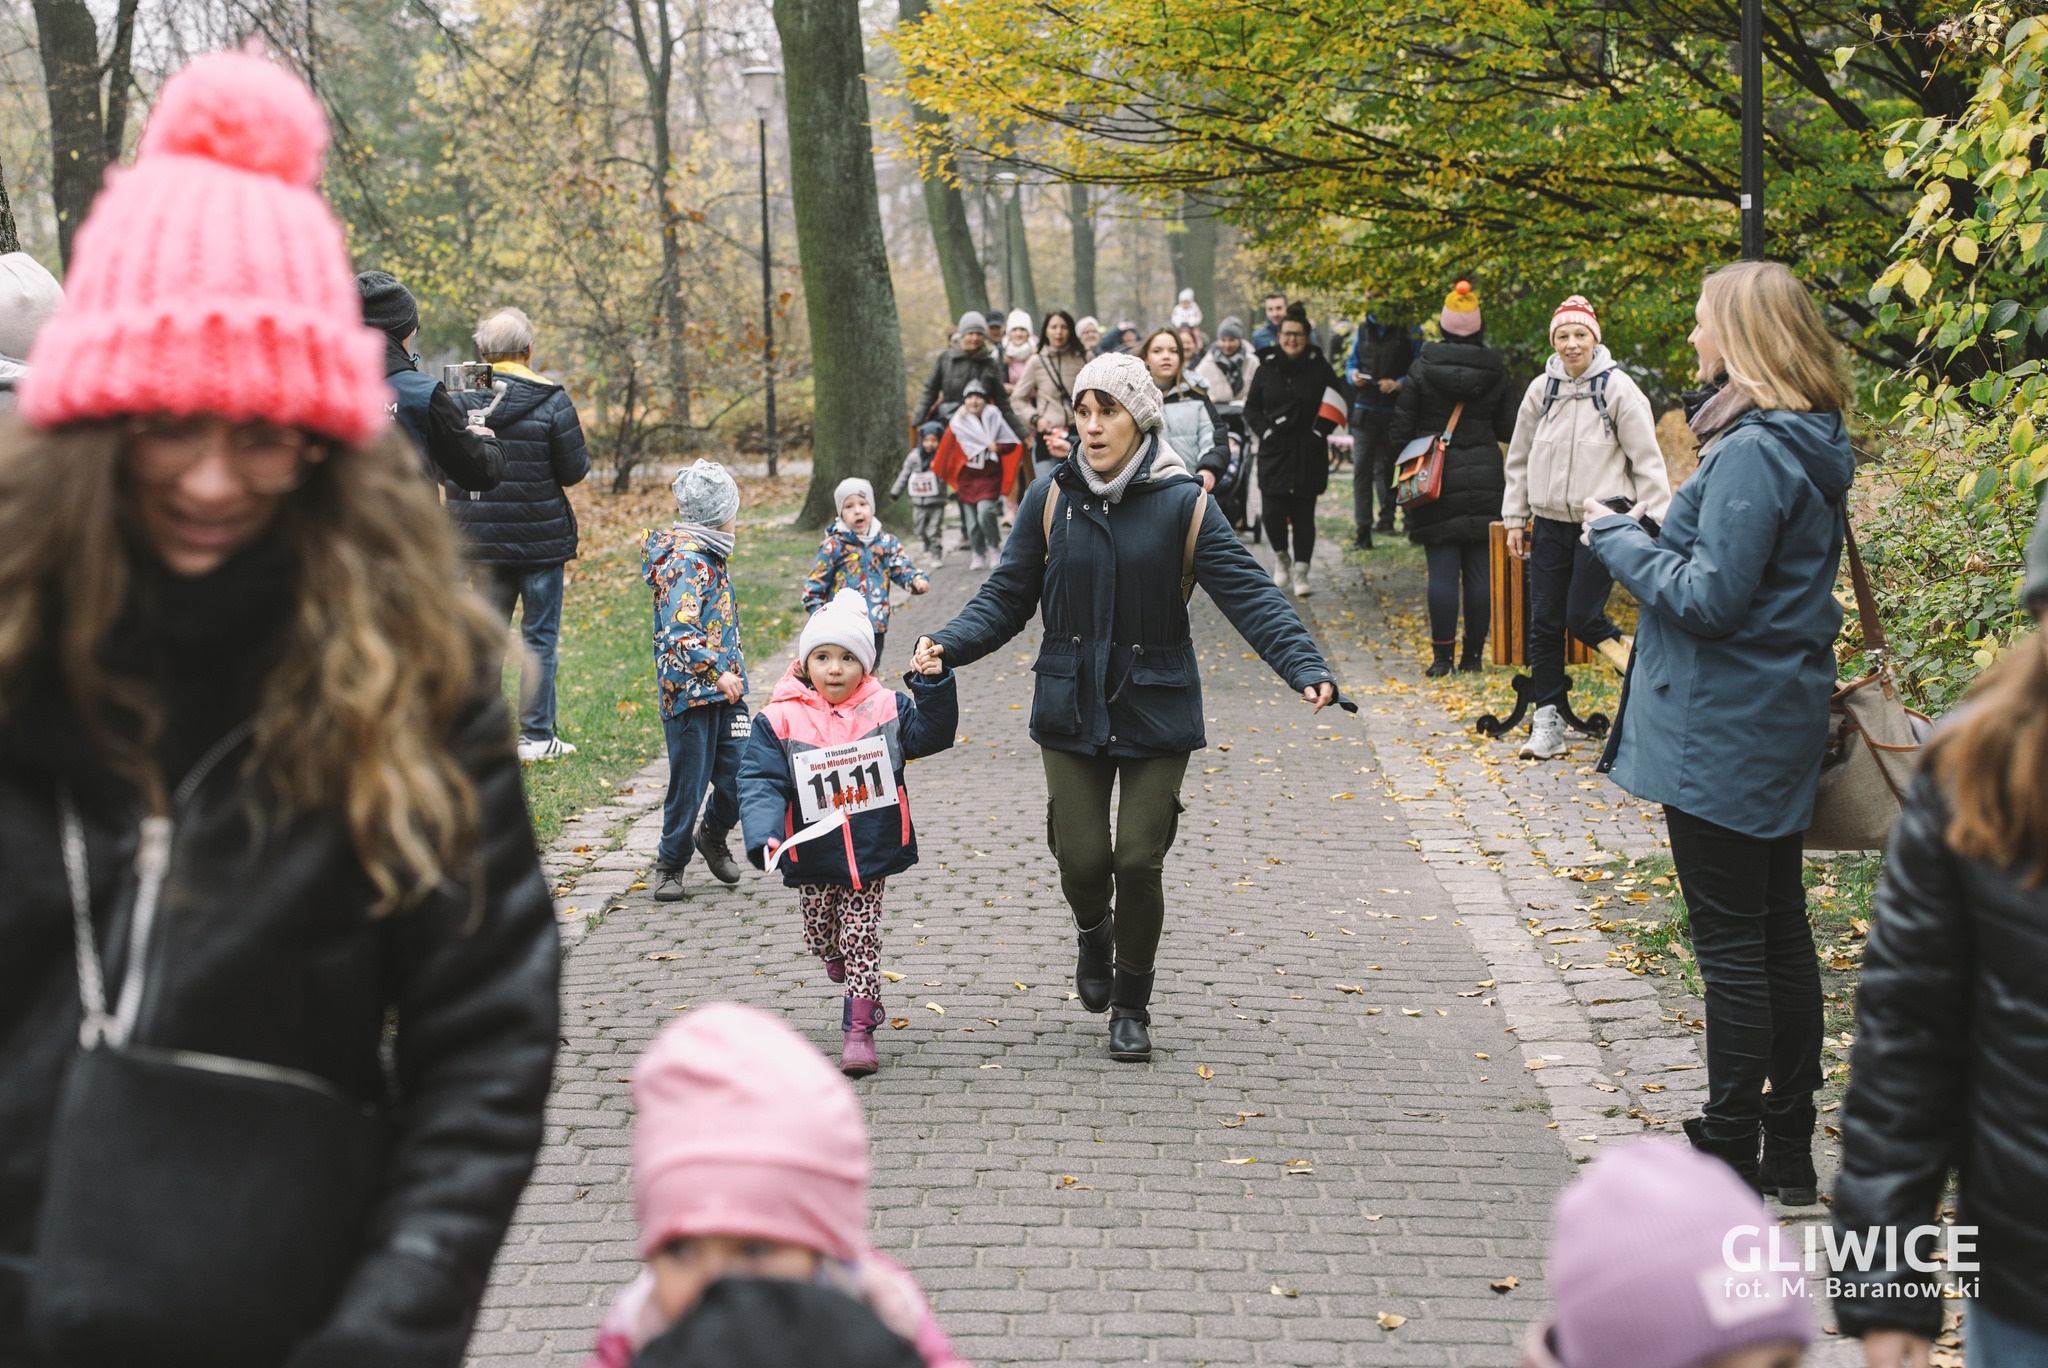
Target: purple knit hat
pixel 1637 1269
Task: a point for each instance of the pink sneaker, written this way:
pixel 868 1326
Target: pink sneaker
pixel 857 1055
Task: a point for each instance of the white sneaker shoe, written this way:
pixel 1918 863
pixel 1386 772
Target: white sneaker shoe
pixel 1301 588
pixel 1282 569
pixel 540 752
pixel 977 563
pixel 1546 735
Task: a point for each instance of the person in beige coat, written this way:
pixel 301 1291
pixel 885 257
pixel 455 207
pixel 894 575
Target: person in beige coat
pixel 1044 395
pixel 1585 431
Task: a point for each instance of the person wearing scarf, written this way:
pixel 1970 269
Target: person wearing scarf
pixel 1097 553
pixel 978 457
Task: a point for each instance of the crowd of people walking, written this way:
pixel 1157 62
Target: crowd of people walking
pixel 282 968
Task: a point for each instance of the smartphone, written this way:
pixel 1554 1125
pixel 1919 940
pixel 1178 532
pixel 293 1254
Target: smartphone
pixel 472 376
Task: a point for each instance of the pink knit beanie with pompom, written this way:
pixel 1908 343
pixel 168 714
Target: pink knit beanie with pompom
pixel 210 277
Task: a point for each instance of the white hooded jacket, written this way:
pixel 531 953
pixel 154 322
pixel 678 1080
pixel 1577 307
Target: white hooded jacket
pixel 1558 460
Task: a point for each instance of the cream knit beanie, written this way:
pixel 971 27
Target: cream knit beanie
pixel 1123 378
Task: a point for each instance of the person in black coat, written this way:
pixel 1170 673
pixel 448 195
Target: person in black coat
pixel 1293 407
pixel 1453 529
pixel 278 964
pixel 1380 356
pixel 450 449
pixel 523 532
pixel 1118 699
pixel 1950 1071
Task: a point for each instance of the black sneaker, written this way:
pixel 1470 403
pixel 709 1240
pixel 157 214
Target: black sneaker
pixel 718 858
pixel 668 885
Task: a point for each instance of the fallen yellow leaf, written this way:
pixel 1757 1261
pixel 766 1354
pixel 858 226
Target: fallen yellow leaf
pixel 1409 1011
pixel 1021 987
pixel 934 1007
pixel 1481 1056
pixel 1534 1064
pixel 1507 1284
pixel 665 955
pixel 1348 988
pixel 1389 1321
pixel 898 1023
pixel 1250 1159
pixel 1280 1291
pixel 892 977
pixel 1204 1071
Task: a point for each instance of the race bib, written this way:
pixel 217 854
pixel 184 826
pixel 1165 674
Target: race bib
pixel 924 485
pixel 845 779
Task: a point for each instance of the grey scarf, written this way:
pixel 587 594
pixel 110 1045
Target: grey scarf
pixel 711 539
pixel 1719 413
pixel 1113 488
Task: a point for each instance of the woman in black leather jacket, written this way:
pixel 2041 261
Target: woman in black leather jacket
pixel 277 962
pixel 1951 1060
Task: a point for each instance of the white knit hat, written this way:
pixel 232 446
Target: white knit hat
pixel 842 622
pixel 705 494
pixel 28 296
pixel 1123 377
pixel 1018 319
pixel 847 488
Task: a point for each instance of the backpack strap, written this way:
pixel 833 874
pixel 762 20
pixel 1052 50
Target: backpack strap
pixel 1052 507
pixel 1600 400
pixel 1187 550
pixel 1551 384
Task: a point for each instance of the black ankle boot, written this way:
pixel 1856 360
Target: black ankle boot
pixel 1129 1040
pixel 1738 1154
pixel 1094 968
pixel 1441 666
pixel 1474 658
pixel 1787 1169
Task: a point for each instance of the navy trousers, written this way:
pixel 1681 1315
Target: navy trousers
pixel 704 747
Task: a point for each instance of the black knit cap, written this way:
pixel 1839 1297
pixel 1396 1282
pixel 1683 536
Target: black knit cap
pixel 387 305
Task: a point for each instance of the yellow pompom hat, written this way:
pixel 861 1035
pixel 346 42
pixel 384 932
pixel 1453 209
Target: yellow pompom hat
pixel 1460 317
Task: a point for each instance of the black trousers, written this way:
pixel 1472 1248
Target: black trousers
pixel 1568 589
pixel 1372 468
pixel 1459 573
pixel 1747 905
pixel 1283 511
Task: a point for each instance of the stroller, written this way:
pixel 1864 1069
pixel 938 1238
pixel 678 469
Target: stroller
pixel 1233 491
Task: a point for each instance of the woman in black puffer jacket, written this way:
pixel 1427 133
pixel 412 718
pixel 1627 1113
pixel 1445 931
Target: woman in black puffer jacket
pixel 1951 1062
pixel 1452 530
pixel 1293 405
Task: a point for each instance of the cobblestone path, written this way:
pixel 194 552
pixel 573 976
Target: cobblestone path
pixel 1371 1072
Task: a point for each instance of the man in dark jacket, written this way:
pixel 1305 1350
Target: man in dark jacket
pixel 1267 334
pixel 450 449
pixel 1381 354
pixel 523 532
pixel 969 358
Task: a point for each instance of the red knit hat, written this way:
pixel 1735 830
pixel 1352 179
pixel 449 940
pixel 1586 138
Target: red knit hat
pixel 210 277
pixel 1575 310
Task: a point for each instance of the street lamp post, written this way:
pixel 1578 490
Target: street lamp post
pixel 1003 207
pixel 761 94
pixel 1752 130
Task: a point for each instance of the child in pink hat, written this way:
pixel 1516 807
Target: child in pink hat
pixel 750 1160
pixel 1640 1275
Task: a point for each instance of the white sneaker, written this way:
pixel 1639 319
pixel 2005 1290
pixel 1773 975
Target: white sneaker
pixel 540 752
pixel 1282 569
pixel 1546 735
pixel 938 560
pixel 1301 589
pixel 977 563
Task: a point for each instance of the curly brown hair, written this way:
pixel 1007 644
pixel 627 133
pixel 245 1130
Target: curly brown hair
pixel 383 654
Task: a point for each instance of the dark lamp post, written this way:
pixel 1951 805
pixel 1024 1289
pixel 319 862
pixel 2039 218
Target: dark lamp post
pixel 761 94
pixel 1752 130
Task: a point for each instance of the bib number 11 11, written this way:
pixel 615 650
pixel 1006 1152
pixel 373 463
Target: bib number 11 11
pixel 849 779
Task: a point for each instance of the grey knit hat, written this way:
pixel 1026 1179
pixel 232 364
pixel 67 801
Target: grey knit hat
pixel 1123 377
pixel 705 494
pixel 1230 327
pixel 972 322
pixel 29 294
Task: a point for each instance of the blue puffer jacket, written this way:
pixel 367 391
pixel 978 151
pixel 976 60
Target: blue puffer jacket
pixel 1727 702
pixel 1116 670
pixel 527 520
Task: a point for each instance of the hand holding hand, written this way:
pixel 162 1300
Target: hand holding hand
pixel 729 685
pixel 1321 695
pixel 929 658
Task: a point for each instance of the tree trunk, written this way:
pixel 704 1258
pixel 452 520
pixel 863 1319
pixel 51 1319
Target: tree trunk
pixel 946 209
pixel 10 240
pixel 1023 290
pixel 656 52
pixel 70 43
pixel 1083 216
pixel 1198 258
pixel 856 343
pixel 121 77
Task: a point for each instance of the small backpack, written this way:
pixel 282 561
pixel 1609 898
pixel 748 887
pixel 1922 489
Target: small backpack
pixel 1552 386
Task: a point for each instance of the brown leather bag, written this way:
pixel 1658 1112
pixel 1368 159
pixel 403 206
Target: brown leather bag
pixel 1419 474
pixel 1874 741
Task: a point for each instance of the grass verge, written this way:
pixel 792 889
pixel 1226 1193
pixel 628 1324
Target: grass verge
pixel 604 682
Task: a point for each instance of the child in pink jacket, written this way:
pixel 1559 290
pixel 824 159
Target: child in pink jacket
pixel 750 1160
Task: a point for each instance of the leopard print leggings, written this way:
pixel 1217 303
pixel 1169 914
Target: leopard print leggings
pixel 846 923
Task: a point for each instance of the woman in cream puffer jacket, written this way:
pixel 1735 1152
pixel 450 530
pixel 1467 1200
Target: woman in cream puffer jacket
pixel 1585 431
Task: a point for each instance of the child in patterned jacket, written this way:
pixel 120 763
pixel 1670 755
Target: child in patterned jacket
pixel 858 555
pixel 702 674
pixel 821 794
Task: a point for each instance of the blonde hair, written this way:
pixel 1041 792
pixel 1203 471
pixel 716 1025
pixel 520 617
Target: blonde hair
pixel 384 654
pixel 1773 344
pixel 1993 759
